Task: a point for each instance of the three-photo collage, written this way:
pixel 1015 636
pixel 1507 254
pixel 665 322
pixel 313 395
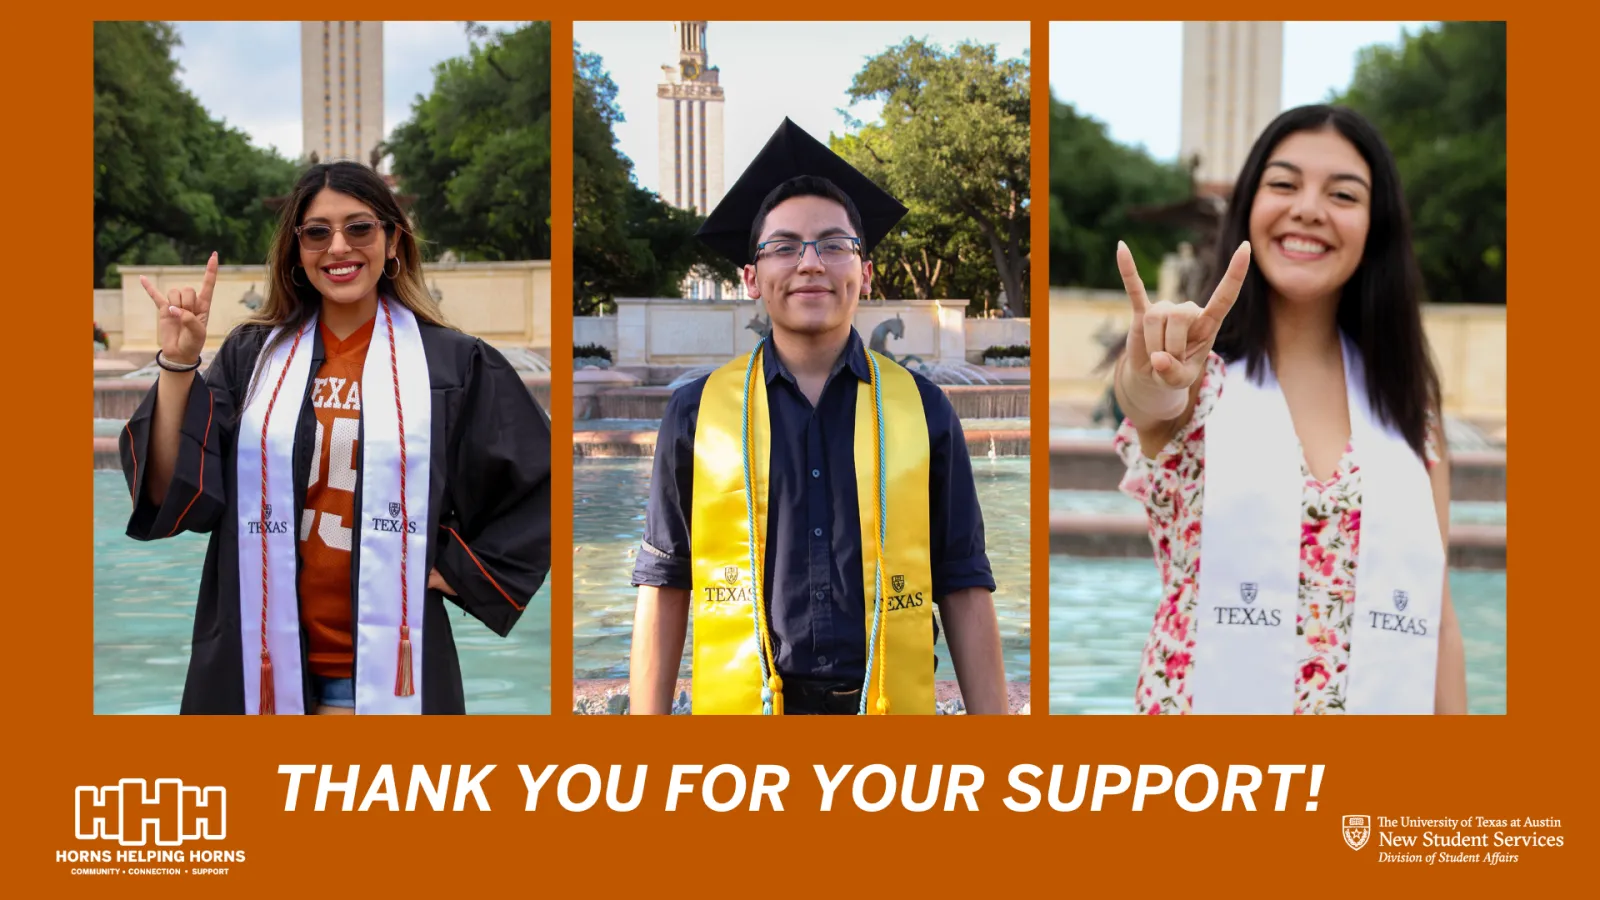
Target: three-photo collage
pixel 359 284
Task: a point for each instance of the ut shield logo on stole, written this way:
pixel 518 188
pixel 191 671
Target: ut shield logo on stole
pixel 1401 600
pixel 394 509
pixel 132 810
pixel 730 574
pixel 1247 591
pixel 266 511
pixel 899 582
pixel 1356 831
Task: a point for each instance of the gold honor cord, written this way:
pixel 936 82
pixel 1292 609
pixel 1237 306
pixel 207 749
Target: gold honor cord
pixel 734 663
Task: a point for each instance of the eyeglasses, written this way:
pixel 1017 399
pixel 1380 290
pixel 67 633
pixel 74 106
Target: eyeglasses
pixel 360 233
pixel 832 251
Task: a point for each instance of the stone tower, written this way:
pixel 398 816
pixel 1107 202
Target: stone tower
pixel 1232 87
pixel 689 124
pixel 341 89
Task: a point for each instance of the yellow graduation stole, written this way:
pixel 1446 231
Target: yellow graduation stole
pixel 734 665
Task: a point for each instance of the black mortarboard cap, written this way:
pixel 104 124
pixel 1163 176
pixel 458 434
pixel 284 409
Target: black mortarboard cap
pixel 788 153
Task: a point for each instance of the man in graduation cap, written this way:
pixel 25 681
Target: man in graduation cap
pixel 812 501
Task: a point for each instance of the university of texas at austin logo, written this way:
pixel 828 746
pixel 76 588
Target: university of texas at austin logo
pixel 1247 591
pixel 254 526
pixel 394 524
pixel 902 598
pixel 1401 600
pixel 132 812
pixel 729 591
pixel 1356 831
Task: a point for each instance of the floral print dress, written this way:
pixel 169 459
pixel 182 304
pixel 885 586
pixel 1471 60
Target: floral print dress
pixel 1172 489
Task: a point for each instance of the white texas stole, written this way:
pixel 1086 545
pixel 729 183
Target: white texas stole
pixel 1246 644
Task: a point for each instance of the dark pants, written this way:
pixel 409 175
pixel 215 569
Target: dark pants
pixel 820 698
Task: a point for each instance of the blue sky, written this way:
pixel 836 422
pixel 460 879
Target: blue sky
pixel 248 73
pixel 769 70
pixel 1130 74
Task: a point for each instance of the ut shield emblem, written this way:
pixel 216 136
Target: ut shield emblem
pixel 1247 591
pixel 898 582
pixel 1401 601
pixel 1356 831
pixel 394 509
pixel 731 573
pixel 266 511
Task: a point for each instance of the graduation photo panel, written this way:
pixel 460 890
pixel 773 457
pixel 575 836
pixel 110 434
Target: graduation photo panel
pixel 801 332
pixel 1278 342
pixel 322 343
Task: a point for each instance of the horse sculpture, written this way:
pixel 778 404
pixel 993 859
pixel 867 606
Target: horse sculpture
pixel 880 340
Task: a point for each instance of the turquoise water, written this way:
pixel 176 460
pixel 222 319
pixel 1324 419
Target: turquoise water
pixel 144 599
pixel 1101 611
pixel 609 497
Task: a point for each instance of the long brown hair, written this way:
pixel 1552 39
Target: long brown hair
pixel 291 300
pixel 1380 307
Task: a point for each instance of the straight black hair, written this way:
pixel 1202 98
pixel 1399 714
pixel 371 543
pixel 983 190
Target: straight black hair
pixel 1379 307
pixel 805 186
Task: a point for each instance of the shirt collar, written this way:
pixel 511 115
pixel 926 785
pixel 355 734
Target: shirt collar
pixel 853 357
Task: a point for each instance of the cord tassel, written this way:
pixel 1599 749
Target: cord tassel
pixel 402 678
pixel 269 697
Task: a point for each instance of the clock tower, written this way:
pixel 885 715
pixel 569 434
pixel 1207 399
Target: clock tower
pixel 689 124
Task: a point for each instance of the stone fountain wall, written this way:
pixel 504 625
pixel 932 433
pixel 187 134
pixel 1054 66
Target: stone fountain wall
pixel 501 302
pixel 664 332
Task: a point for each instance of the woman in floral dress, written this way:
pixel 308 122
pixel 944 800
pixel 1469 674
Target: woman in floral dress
pixel 1318 209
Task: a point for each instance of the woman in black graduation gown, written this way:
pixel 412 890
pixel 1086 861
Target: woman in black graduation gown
pixel 343 254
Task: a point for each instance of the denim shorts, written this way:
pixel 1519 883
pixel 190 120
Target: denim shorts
pixel 339 692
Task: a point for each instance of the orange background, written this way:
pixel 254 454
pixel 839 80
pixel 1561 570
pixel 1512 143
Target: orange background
pixel 1531 762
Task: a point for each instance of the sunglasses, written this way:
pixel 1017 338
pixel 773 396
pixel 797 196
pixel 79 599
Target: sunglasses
pixel 360 233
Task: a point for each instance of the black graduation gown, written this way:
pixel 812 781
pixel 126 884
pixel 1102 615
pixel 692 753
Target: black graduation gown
pixel 489 487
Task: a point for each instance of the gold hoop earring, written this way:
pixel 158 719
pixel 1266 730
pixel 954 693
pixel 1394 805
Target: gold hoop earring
pixel 296 283
pixel 396 273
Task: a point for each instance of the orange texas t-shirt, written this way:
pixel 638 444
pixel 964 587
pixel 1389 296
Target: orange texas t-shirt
pixel 327 528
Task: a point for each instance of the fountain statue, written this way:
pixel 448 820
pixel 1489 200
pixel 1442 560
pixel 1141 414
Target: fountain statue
pixel 252 300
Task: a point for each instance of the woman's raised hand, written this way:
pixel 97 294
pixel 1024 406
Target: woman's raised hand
pixel 1168 342
pixel 181 316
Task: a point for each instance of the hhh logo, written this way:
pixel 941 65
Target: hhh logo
pixel 128 812
pixel 1356 831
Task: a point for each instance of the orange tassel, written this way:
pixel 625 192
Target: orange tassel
pixel 269 703
pixel 402 678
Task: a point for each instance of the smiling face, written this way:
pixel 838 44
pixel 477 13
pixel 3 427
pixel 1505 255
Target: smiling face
pixel 810 298
pixel 1309 220
pixel 348 268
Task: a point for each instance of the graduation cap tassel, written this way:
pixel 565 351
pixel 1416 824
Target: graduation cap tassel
pixel 269 698
pixel 402 675
pixel 402 678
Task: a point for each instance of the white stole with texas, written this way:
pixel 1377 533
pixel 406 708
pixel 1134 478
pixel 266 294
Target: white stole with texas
pixel 400 368
pixel 1246 644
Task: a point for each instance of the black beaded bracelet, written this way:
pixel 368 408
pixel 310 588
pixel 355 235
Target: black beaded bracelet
pixel 162 362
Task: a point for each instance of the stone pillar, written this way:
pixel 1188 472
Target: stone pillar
pixel 633 331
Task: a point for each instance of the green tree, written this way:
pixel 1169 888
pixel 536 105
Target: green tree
pixel 170 183
pixel 952 143
pixel 627 242
pixel 1094 184
pixel 475 153
pixel 1439 99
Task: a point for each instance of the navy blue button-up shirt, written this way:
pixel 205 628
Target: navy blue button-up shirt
pixel 813 573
